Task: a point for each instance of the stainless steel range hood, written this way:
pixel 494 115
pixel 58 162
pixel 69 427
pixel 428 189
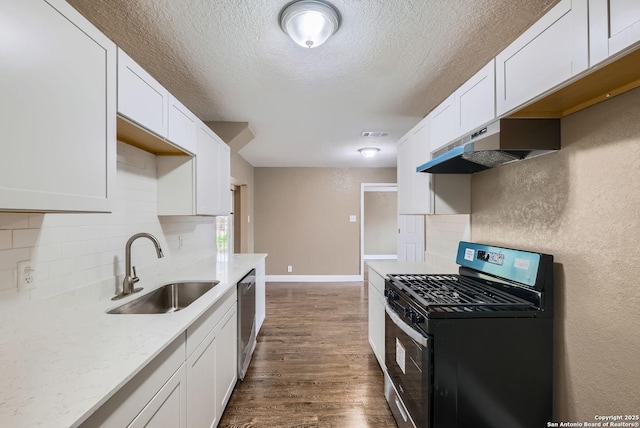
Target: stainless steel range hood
pixel 503 141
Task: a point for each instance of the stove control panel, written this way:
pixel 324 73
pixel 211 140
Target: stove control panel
pixel 514 265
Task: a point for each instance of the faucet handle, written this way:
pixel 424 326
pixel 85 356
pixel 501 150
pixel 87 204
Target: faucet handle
pixel 135 275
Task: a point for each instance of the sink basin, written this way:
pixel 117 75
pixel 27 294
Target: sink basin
pixel 166 299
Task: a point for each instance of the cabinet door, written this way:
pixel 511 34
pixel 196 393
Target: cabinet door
pixel 442 124
pixel 224 178
pixel 260 295
pixel 614 26
pixel 413 187
pixel 420 201
pixel 207 186
pixel 376 324
pixel 201 384
pixel 475 101
pixel 549 53
pixel 226 358
pixel 405 184
pixel 168 408
pixel 57 109
pixel 140 97
pixel 182 126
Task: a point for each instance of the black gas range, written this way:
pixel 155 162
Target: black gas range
pixel 473 349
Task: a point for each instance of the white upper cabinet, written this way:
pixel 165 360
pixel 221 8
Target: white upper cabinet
pixel 413 187
pixel 549 53
pixel 140 97
pixel 57 109
pixel 472 105
pixel 442 124
pixel 208 187
pixel 182 126
pixel 475 101
pixel 614 27
pixel 197 185
pixel 224 178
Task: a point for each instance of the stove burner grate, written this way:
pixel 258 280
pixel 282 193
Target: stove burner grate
pixel 456 293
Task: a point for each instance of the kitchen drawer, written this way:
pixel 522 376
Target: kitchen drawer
pixel 127 403
pixel 199 330
pixel 376 280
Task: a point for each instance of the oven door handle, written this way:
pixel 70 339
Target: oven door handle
pixel 406 328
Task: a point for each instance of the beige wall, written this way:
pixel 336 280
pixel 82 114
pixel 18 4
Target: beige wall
pixel 243 174
pixel 302 218
pixel 582 205
pixel 380 223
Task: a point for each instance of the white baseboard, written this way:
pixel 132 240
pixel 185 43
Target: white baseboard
pixel 313 278
pixel 381 257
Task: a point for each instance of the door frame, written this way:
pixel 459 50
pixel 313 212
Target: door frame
pixel 370 187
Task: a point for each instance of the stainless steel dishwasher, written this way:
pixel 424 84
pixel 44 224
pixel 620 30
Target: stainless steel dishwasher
pixel 246 321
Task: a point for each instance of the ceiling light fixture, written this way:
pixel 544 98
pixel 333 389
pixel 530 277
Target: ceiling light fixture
pixel 309 23
pixel 369 152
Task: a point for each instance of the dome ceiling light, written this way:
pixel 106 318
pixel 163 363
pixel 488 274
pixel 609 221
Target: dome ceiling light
pixel 309 23
pixel 369 152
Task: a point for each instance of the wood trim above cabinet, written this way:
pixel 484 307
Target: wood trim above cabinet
pixel 613 79
pixel 133 134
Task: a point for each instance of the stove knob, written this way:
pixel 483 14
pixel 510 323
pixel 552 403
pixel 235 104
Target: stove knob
pixel 418 319
pixel 391 295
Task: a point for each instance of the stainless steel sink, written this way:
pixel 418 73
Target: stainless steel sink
pixel 166 299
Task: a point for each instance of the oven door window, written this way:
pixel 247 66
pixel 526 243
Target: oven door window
pixel 408 365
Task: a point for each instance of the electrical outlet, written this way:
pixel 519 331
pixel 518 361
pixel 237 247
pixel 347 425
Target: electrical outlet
pixel 289 269
pixel 180 242
pixel 26 274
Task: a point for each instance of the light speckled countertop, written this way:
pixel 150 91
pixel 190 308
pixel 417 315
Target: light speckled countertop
pixel 63 357
pixel 385 268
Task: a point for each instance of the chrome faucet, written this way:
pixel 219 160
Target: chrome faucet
pixel 129 280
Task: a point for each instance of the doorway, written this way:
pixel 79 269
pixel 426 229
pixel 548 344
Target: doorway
pixel 378 223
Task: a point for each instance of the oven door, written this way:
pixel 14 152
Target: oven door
pixel 408 361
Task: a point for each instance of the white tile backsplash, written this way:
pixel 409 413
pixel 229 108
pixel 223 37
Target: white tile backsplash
pixel 69 251
pixel 7 279
pixel 443 233
pixel 25 238
pixel 5 240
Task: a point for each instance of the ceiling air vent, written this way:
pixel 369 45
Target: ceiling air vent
pixel 374 134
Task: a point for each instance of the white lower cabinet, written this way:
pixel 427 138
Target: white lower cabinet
pixel 549 53
pixel 188 384
pixel 226 359
pixel 212 362
pixel 260 295
pixel 212 373
pixel 201 383
pixel 376 316
pixel 168 408
pixel 147 393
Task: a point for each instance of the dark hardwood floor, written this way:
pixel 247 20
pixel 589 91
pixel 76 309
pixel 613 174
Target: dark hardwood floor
pixel 313 366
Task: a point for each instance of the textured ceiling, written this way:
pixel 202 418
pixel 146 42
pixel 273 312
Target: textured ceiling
pixel 389 64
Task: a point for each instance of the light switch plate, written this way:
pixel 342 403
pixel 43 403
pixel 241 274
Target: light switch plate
pixel 352 218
